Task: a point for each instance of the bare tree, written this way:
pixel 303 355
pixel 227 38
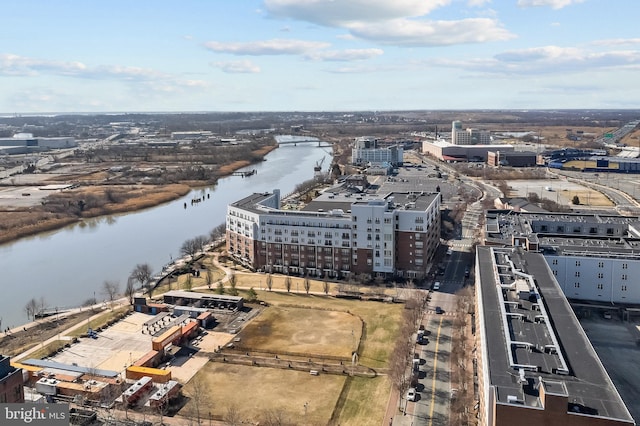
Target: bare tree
pixel 218 232
pixel 190 247
pixel 198 394
pixel 220 288
pixel 110 288
pixel 269 282
pixel 325 286
pixel 233 280
pixel 130 290
pixel 188 283
pixel 307 284
pixel 142 273
pixel 287 284
pixel 31 308
pixel 274 417
pixel 232 416
pixel 201 241
pixel 208 278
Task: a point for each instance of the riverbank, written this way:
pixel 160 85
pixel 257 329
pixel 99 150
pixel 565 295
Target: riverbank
pixel 86 202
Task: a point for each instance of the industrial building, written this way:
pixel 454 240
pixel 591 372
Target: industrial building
pixel 450 152
pixel 24 143
pixel 536 364
pixel 339 234
pixel 512 158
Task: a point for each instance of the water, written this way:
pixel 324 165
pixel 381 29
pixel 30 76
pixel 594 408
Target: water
pixel 69 266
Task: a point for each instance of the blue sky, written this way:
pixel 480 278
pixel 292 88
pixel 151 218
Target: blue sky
pixel 317 55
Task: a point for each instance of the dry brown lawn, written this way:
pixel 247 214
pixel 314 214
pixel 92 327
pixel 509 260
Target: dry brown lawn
pixel 381 320
pixel 255 391
pixel 309 332
pixel 588 197
pixel 365 401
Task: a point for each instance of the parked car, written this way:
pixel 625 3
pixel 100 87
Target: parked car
pixel 436 285
pixel 439 310
pixel 411 394
pixel 467 272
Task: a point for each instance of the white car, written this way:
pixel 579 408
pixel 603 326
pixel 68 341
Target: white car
pixel 411 394
pixel 436 285
pixel 449 251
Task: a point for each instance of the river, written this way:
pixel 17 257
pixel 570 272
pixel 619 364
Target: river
pixel 69 266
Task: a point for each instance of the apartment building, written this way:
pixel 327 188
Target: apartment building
pixel 593 257
pixel 367 152
pixel 536 365
pixel 11 382
pixel 337 235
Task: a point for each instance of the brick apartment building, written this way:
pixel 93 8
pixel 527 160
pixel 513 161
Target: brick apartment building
pixel 337 235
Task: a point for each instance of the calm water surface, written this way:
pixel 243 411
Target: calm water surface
pixel 69 266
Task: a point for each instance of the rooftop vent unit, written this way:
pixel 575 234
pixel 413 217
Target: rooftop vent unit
pixel 521 376
pixel 512 399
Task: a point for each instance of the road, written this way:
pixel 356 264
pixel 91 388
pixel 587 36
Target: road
pixel 434 387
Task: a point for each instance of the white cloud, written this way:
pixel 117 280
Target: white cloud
pixel 433 33
pixel 266 47
pixel 394 22
pixel 341 12
pixel 237 67
pixel 554 4
pixel 15 65
pixel 344 55
pixel 477 3
pixel 547 60
pixel 616 42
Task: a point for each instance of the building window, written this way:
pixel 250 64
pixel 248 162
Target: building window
pixel 623 288
pixel 600 286
pixel 624 277
pixel 555 273
pixel 576 285
pixel 600 264
pixel 625 265
pixel 600 275
pixel 577 274
pixel 577 263
pixel 554 262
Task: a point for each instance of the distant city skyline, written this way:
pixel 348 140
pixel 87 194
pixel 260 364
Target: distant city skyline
pixel 313 55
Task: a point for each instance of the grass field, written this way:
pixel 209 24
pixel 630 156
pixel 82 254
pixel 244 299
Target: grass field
pixel 356 401
pixel 365 401
pixel 304 331
pixel 381 320
pixel 255 391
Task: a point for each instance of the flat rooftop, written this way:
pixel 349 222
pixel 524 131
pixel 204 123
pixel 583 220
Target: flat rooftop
pixel 532 333
pixel 627 248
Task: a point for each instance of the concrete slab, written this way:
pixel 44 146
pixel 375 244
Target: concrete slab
pixel 115 348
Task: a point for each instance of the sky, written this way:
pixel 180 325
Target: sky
pixel 317 55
